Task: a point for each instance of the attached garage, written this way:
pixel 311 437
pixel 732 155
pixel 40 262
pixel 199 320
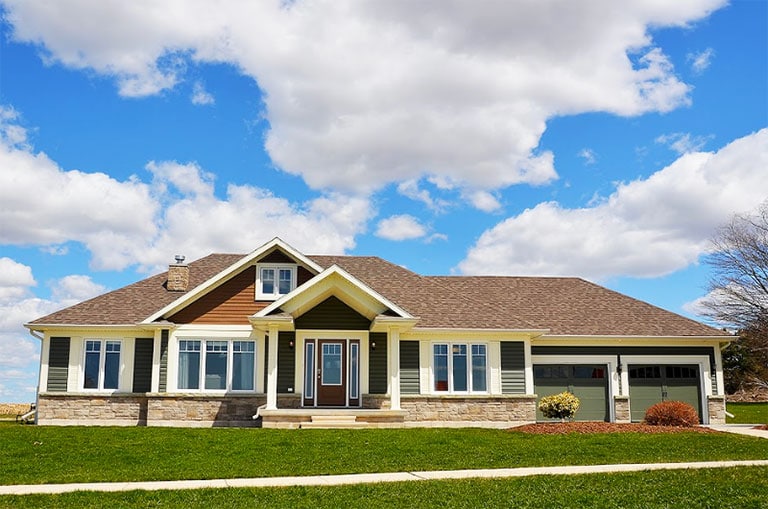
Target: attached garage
pixel 650 384
pixel 588 382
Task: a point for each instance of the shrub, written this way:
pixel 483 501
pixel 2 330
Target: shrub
pixel 559 406
pixel 671 413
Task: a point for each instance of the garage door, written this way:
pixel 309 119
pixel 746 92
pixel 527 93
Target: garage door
pixel 587 382
pixel 650 384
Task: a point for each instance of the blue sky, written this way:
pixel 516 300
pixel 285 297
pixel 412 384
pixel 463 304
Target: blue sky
pixel 604 140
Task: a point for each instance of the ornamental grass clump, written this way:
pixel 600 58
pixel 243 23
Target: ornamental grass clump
pixel 671 413
pixel 559 406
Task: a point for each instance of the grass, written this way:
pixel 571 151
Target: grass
pixel 40 454
pixel 747 413
pixel 743 487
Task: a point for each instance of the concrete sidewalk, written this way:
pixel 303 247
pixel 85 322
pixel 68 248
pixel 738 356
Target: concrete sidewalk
pixel 740 429
pixel 338 480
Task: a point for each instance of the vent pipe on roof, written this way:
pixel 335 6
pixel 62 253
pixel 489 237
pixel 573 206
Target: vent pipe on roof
pixel 178 275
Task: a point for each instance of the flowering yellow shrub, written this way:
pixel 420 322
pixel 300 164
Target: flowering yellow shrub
pixel 559 406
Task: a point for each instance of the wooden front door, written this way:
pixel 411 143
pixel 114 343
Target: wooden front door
pixel 331 372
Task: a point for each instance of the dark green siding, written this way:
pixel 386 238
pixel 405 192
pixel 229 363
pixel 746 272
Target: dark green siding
pixel 409 367
pixel 512 367
pixel 286 359
pixel 377 364
pixel 163 385
pixel 142 364
pixel 58 365
pixel 332 314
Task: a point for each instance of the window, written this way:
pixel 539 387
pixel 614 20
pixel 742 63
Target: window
pixel 273 281
pixel 223 365
pixel 460 367
pixel 102 364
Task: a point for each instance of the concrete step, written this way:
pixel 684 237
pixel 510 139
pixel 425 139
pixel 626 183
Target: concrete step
pixel 333 421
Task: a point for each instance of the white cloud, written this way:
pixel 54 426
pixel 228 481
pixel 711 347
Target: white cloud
pixel 483 200
pixel 700 62
pixel 683 143
pixel 588 155
pixel 75 288
pixel 411 189
pixel 400 227
pixel 360 95
pixel 200 96
pixel 646 228
pixel 123 223
pixel 15 279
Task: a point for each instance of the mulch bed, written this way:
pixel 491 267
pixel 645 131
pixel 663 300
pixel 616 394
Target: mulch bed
pixel 563 428
pixel 764 427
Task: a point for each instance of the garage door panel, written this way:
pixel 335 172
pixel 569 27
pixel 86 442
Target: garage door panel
pixel 589 383
pixel 651 384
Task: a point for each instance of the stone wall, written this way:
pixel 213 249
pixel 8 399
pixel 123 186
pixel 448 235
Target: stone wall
pixel 716 407
pixel 152 410
pixel 518 408
pixel 621 407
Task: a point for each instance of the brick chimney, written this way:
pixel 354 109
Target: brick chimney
pixel 178 275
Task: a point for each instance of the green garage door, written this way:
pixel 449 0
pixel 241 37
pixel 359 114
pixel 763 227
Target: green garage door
pixel 587 382
pixel 650 384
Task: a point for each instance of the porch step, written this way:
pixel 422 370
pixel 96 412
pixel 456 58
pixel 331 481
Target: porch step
pixel 332 421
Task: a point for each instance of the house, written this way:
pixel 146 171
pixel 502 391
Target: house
pixel 278 338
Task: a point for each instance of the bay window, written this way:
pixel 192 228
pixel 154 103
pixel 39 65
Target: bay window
pixel 223 365
pixel 102 364
pixel 460 367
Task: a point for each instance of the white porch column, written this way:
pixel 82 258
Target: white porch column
pixel 272 369
pixel 394 368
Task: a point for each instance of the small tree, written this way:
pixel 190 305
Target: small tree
pixel 738 296
pixel 559 406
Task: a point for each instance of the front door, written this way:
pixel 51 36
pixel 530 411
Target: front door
pixel 331 372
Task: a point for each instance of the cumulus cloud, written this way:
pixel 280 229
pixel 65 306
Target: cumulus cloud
pixel 400 227
pixel 359 95
pixel 700 61
pixel 588 155
pixel 200 96
pixel 132 222
pixel 682 143
pixel 646 228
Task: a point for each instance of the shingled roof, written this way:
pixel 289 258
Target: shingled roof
pixel 561 305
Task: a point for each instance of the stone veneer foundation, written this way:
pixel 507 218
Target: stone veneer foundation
pixel 469 409
pixel 203 411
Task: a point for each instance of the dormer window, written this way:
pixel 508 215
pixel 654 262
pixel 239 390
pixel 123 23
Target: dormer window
pixel 274 280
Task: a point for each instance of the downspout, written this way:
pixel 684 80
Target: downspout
pixel 258 411
pixel 39 370
pixel 723 346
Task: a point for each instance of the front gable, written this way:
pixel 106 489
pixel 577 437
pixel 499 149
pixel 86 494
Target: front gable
pixel 332 313
pixel 233 295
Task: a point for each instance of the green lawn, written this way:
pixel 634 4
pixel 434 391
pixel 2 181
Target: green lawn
pixel 748 413
pixel 716 488
pixel 41 454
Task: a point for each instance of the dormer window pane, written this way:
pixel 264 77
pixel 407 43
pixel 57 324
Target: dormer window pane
pixel 286 281
pixel 268 281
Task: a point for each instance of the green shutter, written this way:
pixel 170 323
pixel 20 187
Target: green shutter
pixel 142 364
pixel 58 365
pixel 512 367
pixel 409 367
pixel 377 364
pixel 163 385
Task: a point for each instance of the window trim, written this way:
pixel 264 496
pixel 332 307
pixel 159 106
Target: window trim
pixel 102 364
pixel 230 341
pixel 469 375
pixel 277 267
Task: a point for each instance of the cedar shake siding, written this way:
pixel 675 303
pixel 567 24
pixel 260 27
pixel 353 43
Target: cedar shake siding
pixel 229 304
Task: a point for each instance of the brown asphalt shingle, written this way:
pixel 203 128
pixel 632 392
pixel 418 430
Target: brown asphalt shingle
pixel 564 306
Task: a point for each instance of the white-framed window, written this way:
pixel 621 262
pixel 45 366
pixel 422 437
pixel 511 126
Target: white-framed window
pixel 221 365
pixel 274 280
pixel 460 367
pixel 101 366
